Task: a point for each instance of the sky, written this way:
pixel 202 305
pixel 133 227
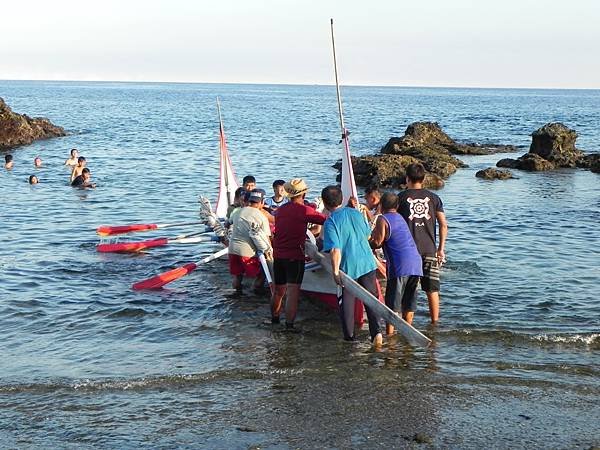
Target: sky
pixel 463 43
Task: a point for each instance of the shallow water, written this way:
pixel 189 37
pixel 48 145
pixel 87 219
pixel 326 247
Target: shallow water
pixel 87 361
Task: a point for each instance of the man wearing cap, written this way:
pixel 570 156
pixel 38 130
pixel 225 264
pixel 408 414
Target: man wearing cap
pixel 288 249
pixel 250 235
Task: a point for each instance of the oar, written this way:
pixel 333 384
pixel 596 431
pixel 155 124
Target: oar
pixel 124 247
pixel 108 230
pixel 411 334
pixel 267 271
pixel 160 280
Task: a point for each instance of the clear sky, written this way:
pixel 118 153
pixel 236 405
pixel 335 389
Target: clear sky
pixel 484 43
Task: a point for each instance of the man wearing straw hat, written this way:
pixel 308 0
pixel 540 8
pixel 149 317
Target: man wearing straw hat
pixel 291 221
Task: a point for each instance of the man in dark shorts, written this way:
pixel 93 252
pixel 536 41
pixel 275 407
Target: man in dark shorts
pixel 291 221
pixel 424 212
pixel 403 261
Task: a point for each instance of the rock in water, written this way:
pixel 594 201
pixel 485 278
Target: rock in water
pixel 552 147
pixel 555 142
pixel 494 174
pixel 591 161
pixel 20 129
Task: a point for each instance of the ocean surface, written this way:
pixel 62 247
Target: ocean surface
pixel 86 362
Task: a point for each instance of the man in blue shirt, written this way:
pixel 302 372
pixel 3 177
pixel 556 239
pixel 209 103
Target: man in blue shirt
pixel 346 235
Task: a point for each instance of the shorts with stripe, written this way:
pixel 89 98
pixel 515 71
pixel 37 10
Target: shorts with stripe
pixel 430 281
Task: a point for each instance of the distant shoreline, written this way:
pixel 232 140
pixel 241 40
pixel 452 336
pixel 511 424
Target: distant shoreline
pixel 491 88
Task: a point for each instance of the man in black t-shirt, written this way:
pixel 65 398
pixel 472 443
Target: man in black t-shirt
pixel 83 181
pixel 423 210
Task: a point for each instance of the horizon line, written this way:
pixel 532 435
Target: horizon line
pixel 302 84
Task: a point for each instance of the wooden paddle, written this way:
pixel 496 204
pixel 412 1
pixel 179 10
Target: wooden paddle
pixel 411 334
pixel 160 280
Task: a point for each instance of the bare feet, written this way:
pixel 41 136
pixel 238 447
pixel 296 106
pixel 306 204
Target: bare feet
pixel 378 340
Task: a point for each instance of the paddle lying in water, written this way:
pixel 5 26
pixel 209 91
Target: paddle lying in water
pixel 412 335
pixel 160 280
pixel 126 247
pixel 108 230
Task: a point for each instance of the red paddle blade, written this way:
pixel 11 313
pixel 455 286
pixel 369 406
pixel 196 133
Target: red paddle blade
pixel 107 230
pixel 160 280
pixel 121 247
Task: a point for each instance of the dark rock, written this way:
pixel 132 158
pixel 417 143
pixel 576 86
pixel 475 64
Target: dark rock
pixel 555 142
pixel 508 162
pixel 20 129
pixel 494 174
pixel 591 162
pixel 422 438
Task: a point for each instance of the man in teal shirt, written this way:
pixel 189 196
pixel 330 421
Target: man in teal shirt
pixel 346 235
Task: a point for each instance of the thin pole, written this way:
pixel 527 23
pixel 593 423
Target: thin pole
pixel 337 84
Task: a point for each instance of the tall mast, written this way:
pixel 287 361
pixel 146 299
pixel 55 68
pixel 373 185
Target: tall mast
pixel 347 182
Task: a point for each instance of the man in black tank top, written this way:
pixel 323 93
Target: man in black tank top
pixel 424 212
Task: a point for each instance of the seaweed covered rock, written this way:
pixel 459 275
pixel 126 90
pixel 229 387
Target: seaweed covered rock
pixel 552 146
pixel 555 142
pixel 20 129
pixel 494 174
pixel 387 171
pixel 591 162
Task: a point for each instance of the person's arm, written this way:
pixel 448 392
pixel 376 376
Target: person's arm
pixel 443 227
pixel 336 258
pixel 73 174
pixel 313 216
pixel 379 233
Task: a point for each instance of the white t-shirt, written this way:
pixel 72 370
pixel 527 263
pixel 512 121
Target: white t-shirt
pixel 240 242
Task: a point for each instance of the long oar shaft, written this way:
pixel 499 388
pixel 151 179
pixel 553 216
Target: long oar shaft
pixel 109 230
pixel 131 247
pixel 164 278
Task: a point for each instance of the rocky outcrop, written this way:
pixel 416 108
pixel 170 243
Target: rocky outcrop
pixel 20 129
pixel 591 162
pixel 387 171
pixel 552 147
pixel 494 174
pixel 430 135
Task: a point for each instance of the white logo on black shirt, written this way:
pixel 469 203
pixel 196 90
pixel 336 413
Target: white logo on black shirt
pixel 419 208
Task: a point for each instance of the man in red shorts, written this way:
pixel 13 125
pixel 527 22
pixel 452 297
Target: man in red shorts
pixel 288 249
pixel 250 235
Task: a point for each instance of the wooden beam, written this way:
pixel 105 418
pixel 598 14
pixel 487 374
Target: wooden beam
pixel 411 334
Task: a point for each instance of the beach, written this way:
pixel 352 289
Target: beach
pixel 88 362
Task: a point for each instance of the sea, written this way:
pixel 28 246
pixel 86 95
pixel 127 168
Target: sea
pixel 87 362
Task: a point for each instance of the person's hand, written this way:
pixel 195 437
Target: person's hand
pixel 441 256
pixel 269 255
pixel 337 277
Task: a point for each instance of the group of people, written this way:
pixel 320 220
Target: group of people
pixel 405 226
pixel 80 175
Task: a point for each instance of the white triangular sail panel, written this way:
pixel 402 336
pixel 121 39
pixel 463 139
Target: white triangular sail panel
pixel 228 183
pixel 347 182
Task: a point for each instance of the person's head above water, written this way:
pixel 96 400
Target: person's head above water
pixel 81 161
pixel 86 174
pixel 37 161
pixel 33 179
pixel 8 159
pixel 74 153
pixel 249 182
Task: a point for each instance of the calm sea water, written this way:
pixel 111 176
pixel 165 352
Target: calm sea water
pixel 87 362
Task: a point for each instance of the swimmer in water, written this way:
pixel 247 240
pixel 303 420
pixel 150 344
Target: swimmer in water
pixel 83 181
pixel 37 162
pixel 8 162
pixel 72 161
pixel 33 179
pixel 81 162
